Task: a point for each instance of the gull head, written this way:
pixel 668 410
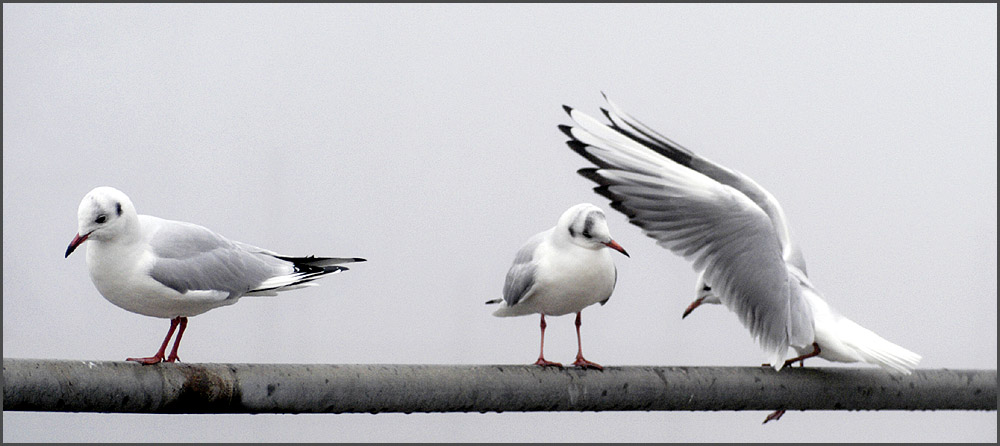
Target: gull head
pixel 103 214
pixel 586 226
pixel 704 291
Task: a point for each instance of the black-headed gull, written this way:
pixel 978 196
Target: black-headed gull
pixel 735 233
pixel 562 270
pixel 175 270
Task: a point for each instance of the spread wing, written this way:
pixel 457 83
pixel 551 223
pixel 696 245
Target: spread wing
pixel 720 229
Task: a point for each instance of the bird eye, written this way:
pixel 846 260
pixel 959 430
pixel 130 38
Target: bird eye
pixel 101 219
pixel 586 234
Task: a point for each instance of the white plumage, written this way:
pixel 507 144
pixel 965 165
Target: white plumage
pixel 174 270
pixel 734 232
pixel 562 270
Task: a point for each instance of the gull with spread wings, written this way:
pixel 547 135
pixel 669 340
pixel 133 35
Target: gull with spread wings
pixel 733 231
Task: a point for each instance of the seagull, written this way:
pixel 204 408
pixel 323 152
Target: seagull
pixel 174 270
pixel 736 234
pixel 562 270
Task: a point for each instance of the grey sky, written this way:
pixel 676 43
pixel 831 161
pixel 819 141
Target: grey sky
pixel 423 138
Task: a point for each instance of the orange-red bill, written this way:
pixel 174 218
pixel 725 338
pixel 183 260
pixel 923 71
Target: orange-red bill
pixel 615 246
pixel 76 242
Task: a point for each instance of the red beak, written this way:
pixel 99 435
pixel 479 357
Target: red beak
pixel 76 242
pixel 615 246
pixel 690 308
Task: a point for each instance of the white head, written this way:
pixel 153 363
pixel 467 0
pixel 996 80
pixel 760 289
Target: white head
pixel 104 213
pixel 704 291
pixel 585 225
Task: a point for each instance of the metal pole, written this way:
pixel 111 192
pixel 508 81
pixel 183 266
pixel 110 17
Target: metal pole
pixel 97 386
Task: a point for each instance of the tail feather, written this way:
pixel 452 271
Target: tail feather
pixel 297 279
pixel 319 261
pixel 875 349
pixel 777 359
pixel 889 356
pixel 306 270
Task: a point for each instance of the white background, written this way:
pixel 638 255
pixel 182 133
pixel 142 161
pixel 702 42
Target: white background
pixel 423 137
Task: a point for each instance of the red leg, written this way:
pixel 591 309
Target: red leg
pixel 690 308
pixel 802 358
pixel 776 415
pixel 541 352
pixel 580 362
pixel 173 352
pixel 163 347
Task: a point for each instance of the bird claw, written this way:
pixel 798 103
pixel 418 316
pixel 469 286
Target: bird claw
pixel 776 415
pixel 146 361
pixel 542 362
pixel 583 363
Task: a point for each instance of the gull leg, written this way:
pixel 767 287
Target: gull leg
pixel 802 359
pixel 776 415
pixel 159 353
pixel 580 362
pixel 173 352
pixel 541 351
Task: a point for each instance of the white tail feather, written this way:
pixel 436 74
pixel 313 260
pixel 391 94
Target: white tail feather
pixel 875 349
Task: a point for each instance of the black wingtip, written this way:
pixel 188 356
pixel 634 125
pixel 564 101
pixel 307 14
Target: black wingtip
pixel 581 149
pixel 591 174
pixel 569 110
pixel 568 130
pixel 618 206
pixel 493 301
pixel 359 259
pixel 577 147
pixel 606 193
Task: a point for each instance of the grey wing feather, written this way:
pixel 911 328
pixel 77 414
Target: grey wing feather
pixel 612 286
pixel 736 247
pixel 191 257
pixel 795 258
pixel 521 276
pixel 639 132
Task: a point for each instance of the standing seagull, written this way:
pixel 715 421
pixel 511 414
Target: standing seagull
pixel 175 270
pixel 736 234
pixel 562 270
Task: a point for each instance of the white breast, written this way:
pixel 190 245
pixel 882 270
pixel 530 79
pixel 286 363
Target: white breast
pixel 121 274
pixel 570 282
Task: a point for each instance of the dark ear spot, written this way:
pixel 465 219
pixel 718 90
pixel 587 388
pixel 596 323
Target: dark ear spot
pixel 118 208
pixel 572 233
pixel 588 224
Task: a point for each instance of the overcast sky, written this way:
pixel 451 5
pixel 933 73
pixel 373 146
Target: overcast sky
pixel 424 138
